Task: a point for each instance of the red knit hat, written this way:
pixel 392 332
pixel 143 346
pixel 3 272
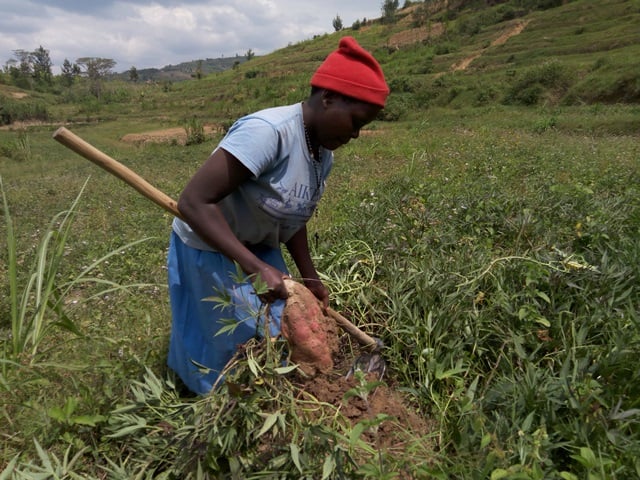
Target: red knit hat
pixel 352 71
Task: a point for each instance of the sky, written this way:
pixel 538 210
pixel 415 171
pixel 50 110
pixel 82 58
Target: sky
pixel 157 33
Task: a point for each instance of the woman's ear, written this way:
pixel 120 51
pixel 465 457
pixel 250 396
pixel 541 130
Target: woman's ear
pixel 328 97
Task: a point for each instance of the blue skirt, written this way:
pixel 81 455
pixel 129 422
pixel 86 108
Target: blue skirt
pixel 196 354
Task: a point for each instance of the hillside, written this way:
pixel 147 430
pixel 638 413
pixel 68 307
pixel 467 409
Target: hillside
pixel 582 52
pixel 184 70
pixel 516 52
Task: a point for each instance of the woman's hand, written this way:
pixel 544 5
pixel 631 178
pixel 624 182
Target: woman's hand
pixel 319 290
pixel 298 246
pixel 274 280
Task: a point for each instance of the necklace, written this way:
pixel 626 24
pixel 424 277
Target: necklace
pixel 307 139
pixel 317 166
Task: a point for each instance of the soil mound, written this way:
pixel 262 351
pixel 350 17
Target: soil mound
pixel 366 399
pixel 327 361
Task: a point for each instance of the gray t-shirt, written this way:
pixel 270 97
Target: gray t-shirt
pixel 287 182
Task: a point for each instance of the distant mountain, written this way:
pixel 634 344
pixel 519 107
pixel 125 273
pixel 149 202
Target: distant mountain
pixel 185 70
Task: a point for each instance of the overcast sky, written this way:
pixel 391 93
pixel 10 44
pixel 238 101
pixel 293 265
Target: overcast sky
pixel 156 33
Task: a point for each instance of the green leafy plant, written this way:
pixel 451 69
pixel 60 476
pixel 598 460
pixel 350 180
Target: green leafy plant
pixel 18 148
pixel 227 432
pixel 49 465
pixel 195 131
pixel 37 298
pixel 364 387
pixel 67 414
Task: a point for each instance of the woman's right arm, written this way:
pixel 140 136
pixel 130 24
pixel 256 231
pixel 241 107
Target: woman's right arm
pixel 220 175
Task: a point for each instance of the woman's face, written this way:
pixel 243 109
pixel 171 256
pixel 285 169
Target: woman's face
pixel 341 120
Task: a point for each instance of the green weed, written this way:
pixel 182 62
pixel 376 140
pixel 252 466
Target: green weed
pixel 257 421
pixel 195 131
pixel 42 295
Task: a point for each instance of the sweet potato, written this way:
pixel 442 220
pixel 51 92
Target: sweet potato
pixel 312 335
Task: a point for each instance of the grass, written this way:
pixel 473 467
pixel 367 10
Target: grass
pixel 494 248
pixel 500 263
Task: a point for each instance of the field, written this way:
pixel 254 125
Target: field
pixel 493 245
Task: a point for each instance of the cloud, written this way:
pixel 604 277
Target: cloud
pixel 155 33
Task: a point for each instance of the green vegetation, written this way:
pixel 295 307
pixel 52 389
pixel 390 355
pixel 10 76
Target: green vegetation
pixel 486 228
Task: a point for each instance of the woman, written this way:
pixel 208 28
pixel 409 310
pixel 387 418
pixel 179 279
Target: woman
pixel 255 192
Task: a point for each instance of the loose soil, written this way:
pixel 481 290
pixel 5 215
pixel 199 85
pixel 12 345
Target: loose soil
pixel 177 135
pixel 326 357
pixel 303 322
pixel 405 422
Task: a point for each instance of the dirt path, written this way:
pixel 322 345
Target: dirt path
pixel 168 135
pixel 502 39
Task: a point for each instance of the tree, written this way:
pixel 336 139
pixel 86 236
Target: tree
pixel 95 69
pixel 389 9
pixel 24 61
pixel 21 70
pixel 133 74
pixel 30 67
pixel 69 72
pixel 66 73
pixel 249 54
pixel 337 23
pixel 41 65
pixel 420 16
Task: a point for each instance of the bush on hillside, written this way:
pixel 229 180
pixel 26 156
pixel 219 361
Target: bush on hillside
pixel 21 111
pixel 195 131
pixel 619 87
pixel 551 78
pixel 394 110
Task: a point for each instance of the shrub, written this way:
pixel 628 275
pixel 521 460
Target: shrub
pixel 423 66
pixel 444 48
pixel 484 95
pixel 606 87
pixel 21 110
pixel 401 85
pixel 538 4
pixel 116 95
pixel 469 27
pixel 530 86
pixel 394 109
pixel 18 149
pixel 507 12
pixel 195 131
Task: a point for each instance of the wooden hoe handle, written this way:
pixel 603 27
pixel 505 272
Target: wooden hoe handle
pixel 91 153
pixel 364 339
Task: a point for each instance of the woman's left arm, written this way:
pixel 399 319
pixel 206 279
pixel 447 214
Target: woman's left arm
pixel 298 247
